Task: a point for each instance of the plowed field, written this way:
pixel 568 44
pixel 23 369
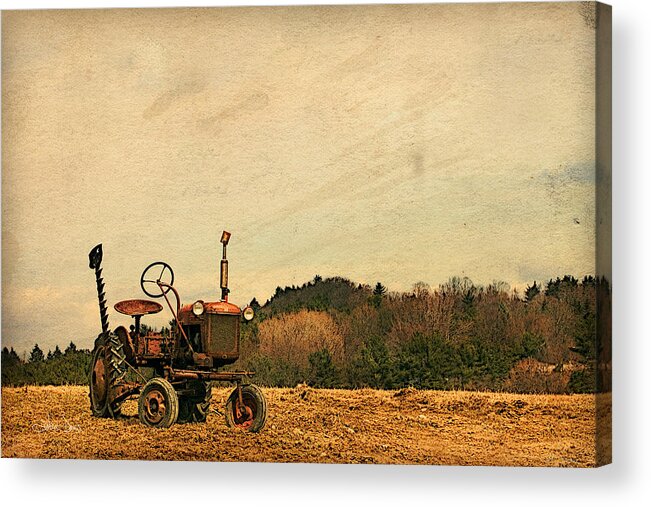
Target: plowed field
pixel 319 425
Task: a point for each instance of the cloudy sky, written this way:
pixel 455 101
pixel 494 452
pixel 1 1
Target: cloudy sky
pixel 386 143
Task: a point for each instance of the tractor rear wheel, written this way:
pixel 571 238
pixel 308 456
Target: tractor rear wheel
pixel 158 405
pixel 98 382
pixel 195 408
pixel 251 414
pixel 107 370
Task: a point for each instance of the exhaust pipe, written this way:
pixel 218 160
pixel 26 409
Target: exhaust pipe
pixel 223 271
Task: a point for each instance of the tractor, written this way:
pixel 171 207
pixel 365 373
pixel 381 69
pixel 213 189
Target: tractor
pixel 171 372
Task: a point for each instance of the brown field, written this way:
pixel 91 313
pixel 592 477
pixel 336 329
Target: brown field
pixel 319 425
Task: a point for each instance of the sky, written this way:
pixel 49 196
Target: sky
pixel 381 143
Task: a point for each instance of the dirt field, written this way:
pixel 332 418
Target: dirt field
pixel 318 425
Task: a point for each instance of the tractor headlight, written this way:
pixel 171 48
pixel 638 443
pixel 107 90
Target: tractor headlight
pixel 248 313
pixel 197 308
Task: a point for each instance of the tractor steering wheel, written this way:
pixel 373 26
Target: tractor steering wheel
pixel 155 273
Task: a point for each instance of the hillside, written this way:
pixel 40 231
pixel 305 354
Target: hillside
pixel 336 333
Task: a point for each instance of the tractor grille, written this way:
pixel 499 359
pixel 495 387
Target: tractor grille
pixel 224 331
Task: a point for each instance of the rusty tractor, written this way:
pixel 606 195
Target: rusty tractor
pixel 170 372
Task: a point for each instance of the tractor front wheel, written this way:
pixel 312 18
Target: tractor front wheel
pixel 158 404
pixel 251 413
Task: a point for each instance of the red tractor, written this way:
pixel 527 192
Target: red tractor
pixel 171 372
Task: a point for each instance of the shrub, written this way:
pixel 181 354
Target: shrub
pixel 530 376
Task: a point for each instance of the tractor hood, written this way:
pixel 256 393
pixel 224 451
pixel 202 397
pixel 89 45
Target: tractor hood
pixel 216 307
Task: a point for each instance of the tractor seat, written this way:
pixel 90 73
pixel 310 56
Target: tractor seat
pixel 137 307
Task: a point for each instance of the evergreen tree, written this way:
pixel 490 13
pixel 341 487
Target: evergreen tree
pixel 588 280
pixel 531 292
pixel 378 293
pixel 255 305
pixel 13 355
pixel 555 287
pixel 36 356
pixel 57 352
pixel 322 372
pixel 380 290
pixel 71 349
pixel 374 366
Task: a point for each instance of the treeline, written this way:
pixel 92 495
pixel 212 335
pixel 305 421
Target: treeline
pixel 53 368
pixel 334 333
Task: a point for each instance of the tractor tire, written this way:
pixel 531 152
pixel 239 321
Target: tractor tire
pixel 98 386
pixel 195 408
pixel 158 404
pixel 117 369
pixel 107 370
pixel 253 415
